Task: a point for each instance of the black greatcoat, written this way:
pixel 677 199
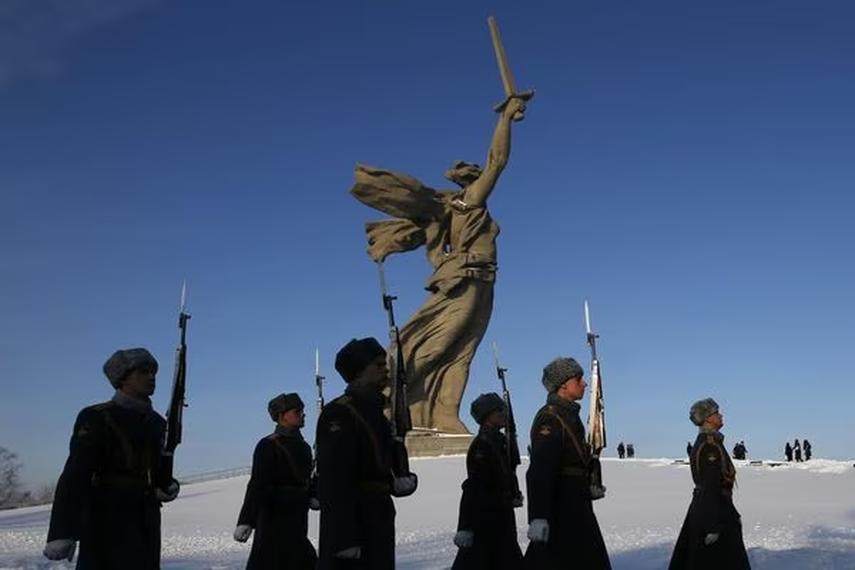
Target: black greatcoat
pixel 276 503
pixel 486 507
pixel 559 490
pixel 711 511
pixel 354 454
pixel 105 495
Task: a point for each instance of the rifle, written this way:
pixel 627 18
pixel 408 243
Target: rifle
pixel 512 444
pixel 401 420
pixel 319 383
pixel 596 414
pixel 176 403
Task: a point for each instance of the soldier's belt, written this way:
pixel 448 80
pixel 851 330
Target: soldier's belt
pixel 728 493
pixel 374 487
pixel 291 488
pixel 123 482
pixel 573 471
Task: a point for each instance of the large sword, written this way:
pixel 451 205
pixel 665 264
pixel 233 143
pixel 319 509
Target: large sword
pixel 505 71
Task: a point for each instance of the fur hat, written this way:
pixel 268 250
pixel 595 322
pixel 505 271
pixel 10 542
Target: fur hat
pixel 559 371
pixel 484 405
pixel 701 410
pixel 352 359
pixel 282 403
pixel 123 361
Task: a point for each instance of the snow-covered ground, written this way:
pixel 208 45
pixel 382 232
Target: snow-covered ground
pixel 795 517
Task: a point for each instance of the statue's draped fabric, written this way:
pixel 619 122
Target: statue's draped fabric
pixel 440 339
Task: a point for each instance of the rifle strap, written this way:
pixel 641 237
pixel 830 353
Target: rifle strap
pixel 288 457
pixel 586 458
pixel 372 437
pixel 127 448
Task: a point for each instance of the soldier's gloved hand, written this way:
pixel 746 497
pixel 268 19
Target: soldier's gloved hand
pixel 598 492
pixel 242 532
pixel 538 530
pixel 517 501
pixel 464 538
pixel 59 549
pixel 168 494
pixel 351 553
pixel 711 538
pixel 405 486
pixel 314 504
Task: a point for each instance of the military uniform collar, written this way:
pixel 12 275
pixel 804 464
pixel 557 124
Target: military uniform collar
pixel 712 432
pixel 287 431
pixel 365 394
pixel 124 401
pixel 560 402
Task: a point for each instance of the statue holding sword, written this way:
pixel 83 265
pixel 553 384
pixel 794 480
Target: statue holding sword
pixel 440 339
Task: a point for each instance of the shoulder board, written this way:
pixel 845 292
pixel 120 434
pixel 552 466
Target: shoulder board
pixel 102 406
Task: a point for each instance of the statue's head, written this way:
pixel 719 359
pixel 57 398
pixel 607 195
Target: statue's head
pixel 463 173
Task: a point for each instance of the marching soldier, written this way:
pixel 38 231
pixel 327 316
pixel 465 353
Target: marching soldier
pixel 355 456
pixel 110 492
pixel 711 536
pixel 487 526
pixel 563 529
pixel 276 504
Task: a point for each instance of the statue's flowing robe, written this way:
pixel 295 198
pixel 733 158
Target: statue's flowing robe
pixel 440 339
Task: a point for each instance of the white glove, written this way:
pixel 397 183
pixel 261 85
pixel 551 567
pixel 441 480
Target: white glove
pixel 538 530
pixel 60 548
pixel 464 538
pixel 598 492
pixel 242 532
pixel 351 553
pixel 405 486
pixel 169 494
pixel 711 538
pixel 314 504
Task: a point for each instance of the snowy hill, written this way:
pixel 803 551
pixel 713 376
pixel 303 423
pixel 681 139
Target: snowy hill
pixel 795 517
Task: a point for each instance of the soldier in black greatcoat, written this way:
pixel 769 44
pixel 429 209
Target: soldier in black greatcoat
pixel 355 454
pixel 110 492
pixel 487 527
pixel 563 529
pixel 711 536
pixel 277 500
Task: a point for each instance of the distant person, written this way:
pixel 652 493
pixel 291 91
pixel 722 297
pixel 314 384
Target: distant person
pixel 630 450
pixel 711 535
pixel 788 451
pixel 797 450
pixel 689 449
pixel 621 450
pixel 808 449
pixel 276 504
pixel 355 455
pixel 743 449
pixel 563 530
pixel 110 492
pixel 487 527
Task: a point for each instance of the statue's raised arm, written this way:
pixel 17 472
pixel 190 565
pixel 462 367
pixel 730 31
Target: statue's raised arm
pixel 497 157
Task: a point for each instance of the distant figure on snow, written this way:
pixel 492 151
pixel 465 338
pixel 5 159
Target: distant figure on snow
pixel 621 450
pixel 630 450
pixel 788 451
pixel 807 447
pixel 797 450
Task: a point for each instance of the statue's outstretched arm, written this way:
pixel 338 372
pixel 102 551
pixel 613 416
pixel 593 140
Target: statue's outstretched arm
pixel 497 158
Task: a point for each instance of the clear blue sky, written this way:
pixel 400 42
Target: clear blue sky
pixel 686 166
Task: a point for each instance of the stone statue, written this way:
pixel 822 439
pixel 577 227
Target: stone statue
pixel 440 339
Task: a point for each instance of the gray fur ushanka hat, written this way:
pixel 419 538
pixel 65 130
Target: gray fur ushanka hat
pixel 559 371
pixel 124 361
pixel 282 403
pixel 701 410
pixel 484 405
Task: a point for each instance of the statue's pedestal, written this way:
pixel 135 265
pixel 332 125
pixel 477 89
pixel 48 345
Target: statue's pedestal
pixel 429 443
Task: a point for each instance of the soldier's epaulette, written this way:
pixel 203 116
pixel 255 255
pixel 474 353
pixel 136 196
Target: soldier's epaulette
pixel 271 437
pixel 102 406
